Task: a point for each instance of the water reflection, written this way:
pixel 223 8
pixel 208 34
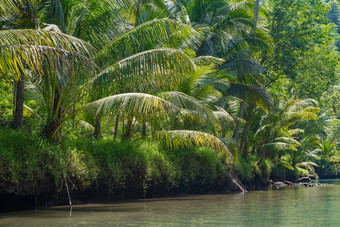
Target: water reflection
pixel 317 206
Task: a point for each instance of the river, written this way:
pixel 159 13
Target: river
pixel 292 206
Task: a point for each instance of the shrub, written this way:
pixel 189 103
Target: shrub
pixel 30 165
pixel 196 169
pixel 147 167
pixel 27 163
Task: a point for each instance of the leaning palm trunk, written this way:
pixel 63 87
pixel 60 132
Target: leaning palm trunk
pixel 263 155
pixel 54 121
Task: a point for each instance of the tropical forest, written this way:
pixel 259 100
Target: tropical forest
pixel 121 100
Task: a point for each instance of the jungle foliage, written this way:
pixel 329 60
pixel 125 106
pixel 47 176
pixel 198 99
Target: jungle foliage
pixel 167 94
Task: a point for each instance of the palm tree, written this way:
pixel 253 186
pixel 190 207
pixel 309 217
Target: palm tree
pixel 231 33
pixel 26 49
pixel 30 50
pixel 135 62
pixel 57 88
pixel 234 65
pixel 276 128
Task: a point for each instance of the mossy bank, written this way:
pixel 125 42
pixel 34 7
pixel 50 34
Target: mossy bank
pixel 33 170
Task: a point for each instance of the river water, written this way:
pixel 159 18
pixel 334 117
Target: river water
pixel 292 206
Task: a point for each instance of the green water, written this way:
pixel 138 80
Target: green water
pixel 317 206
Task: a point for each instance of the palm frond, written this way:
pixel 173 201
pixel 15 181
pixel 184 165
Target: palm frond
pixel 278 146
pixel 239 5
pixel 309 166
pixel 8 7
pixel 210 87
pixel 32 112
pixel 86 125
pixel 14 37
pixel 295 131
pixel 153 70
pixel 286 164
pixel 23 49
pixel 97 22
pixel 258 41
pixel 208 61
pixel 292 117
pixel 184 101
pixel 224 116
pixel 243 67
pixel 40 58
pixel 252 94
pixel 184 138
pixel 131 104
pixel 52 28
pixel 304 103
pixel 288 140
pixel 143 37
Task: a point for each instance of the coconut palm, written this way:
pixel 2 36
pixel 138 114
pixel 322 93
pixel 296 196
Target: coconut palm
pixel 61 88
pixel 26 52
pixel 136 60
pixel 24 49
pixel 277 131
pixel 232 33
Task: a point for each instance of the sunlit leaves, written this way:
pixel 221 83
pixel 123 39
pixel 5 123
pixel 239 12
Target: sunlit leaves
pixel 184 138
pixel 143 37
pixel 31 49
pixel 131 104
pixel 149 71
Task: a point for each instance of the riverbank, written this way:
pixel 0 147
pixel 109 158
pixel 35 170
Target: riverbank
pixel 34 171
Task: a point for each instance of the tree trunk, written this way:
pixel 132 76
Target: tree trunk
pixel 53 129
pixel 246 127
pixel 128 131
pixel 245 147
pixel 262 152
pixel 144 129
pixel 240 115
pixel 123 126
pixel 116 127
pixel 74 117
pixel 256 13
pixel 50 129
pixel 19 101
pixel 259 162
pixel 97 128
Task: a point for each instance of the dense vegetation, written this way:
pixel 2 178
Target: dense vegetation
pixel 148 97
